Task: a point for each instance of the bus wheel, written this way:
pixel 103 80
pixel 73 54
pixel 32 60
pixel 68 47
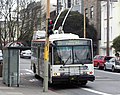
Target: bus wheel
pixel 34 68
pixel 37 76
pixel 83 83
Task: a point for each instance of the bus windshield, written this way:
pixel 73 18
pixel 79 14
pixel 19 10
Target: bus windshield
pixel 79 54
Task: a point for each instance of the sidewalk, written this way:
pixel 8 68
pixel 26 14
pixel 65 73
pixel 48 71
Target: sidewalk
pixel 28 86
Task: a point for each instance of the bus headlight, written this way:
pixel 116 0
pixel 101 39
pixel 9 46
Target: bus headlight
pixel 56 74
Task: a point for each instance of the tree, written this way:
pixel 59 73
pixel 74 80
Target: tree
pixel 116 44
pixel 31 18
pixel 11 21
pixel 8 14
pixel 75 24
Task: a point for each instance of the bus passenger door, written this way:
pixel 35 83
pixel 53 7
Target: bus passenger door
pixel 50 63
pixel 38 59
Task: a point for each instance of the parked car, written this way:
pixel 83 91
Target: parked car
pixel 113 64
pixel 1 57
pixel 25 54
pixel 99 61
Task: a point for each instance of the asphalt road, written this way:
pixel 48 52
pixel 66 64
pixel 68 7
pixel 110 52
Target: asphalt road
pixel 106 83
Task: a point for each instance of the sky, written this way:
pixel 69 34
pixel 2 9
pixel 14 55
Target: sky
pixel 53 1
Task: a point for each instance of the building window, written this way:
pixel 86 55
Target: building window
pixel 91 12
pixel 105 11
pixel 59 5
pixel 69 3
pixel 105 34
pixel 111 36
pixel 62 1
pixel 76 2
pixel 111 9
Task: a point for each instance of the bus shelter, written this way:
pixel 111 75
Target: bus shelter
pixel 11 66
pixel 11 62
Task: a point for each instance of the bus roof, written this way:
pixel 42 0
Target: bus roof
pixel 38 34
pixel 63 36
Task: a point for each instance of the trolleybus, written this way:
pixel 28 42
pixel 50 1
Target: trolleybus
pixel 70 58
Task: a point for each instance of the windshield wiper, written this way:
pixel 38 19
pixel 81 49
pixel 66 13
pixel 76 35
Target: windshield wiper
pixel 67 60
pixel 81 61
pixel 76 57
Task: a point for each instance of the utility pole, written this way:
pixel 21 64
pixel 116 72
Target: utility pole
pixel 17 19
pixel 0 36
pixel 82 6
pixel 58 7
pixel 107 48
pixel 84 21
pixel 84 24
pixel 46 50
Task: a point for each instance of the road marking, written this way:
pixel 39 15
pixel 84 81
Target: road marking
pixel 2 88
pixel 14 93
pixel 94 91
pixel 32 80
pixel 104 79
pixel 25 74
pixel 114 73
pixel 28 70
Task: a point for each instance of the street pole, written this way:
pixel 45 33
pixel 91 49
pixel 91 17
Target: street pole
pixel 107 48
pixel 57 7
pixel 0 36
pixel 84 21
pixel 84 25
pixel 46 50
pixel 82 7
pixel 17 19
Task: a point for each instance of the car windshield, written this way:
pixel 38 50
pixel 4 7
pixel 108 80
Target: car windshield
pixel 108 58
pixel 72 55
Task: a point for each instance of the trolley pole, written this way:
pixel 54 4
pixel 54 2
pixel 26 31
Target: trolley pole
pixel 46 50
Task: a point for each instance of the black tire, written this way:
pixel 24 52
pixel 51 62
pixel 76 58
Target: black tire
pixel 34 68
pixel 99 66
pixel 113 69
pixel 37 76
pixel 104 68
pixel 83 83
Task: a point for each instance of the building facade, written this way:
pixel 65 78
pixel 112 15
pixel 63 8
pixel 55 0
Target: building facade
pixel 92 10
pixel 65 4
pixel 114 25
pixel 33 16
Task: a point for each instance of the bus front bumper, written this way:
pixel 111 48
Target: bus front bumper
pixel 73 78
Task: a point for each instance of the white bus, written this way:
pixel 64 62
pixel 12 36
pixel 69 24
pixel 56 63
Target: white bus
pixel 70 58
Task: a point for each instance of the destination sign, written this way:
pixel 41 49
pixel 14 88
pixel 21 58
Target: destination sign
pixel 73 42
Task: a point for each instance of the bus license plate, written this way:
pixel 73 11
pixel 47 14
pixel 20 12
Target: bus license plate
pixel 83 67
